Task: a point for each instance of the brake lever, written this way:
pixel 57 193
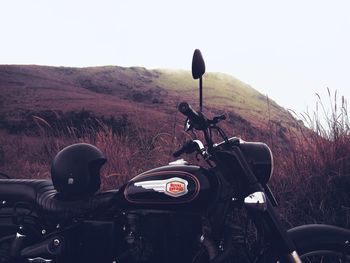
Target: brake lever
pixel 217 119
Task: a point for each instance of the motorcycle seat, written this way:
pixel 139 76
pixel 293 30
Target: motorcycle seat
pixel 41 197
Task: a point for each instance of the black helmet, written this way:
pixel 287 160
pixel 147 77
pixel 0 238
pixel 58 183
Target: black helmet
pixel 75 171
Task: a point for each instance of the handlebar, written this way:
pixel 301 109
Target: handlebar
pixel 187 147
pixel 188 111
pixel 196 118
pixel 198 121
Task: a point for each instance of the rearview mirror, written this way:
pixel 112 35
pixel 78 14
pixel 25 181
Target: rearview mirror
pixel 198 65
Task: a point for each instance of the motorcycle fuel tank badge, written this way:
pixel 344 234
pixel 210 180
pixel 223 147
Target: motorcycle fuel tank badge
pixel 174 187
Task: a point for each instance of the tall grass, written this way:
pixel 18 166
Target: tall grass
pixel 142 144
pixel 311 182
pixel 316 183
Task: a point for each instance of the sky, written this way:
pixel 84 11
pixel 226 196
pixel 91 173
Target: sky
pixel 288 50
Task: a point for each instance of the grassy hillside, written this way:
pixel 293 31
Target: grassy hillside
pixel 223 91
pixel 56 102
pixel 35 88
pixel 131 115
pixel 62 101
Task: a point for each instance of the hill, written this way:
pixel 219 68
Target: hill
pixel 27 90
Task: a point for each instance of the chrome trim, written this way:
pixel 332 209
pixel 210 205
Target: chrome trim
pixel 162 186
pixel 39 260
pixel 256 201
pixel 56 242
pixel 295 257
pixel 188 125
pixel 179 162
pixel 200 144
pixel 18 235
pixel 202 149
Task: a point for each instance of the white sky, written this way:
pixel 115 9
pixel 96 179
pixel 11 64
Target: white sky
pixel 288 50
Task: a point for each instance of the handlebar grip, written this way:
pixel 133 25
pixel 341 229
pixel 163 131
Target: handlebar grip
pixel 187 147
pixel 188 111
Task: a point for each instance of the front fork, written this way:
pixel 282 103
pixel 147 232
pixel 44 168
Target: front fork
pixel 263 212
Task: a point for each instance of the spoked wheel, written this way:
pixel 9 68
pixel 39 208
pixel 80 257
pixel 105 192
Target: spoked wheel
pixel 315 243
pixel 333 255
pixel 322 243
pixel 325 256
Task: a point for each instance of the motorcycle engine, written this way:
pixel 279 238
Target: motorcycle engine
pixel 163 237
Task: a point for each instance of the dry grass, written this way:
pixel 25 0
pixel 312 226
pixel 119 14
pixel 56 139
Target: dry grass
pixel 316 180
pixel 312 174
pixel 141 145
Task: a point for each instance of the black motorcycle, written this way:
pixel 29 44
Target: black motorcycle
pixel 223 212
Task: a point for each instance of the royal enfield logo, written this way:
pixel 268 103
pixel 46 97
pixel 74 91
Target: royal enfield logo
pixel 174 187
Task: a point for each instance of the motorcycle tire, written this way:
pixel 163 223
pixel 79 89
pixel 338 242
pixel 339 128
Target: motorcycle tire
pixel 316 243
pixel 319 254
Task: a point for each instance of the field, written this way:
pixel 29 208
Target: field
pixel 130 114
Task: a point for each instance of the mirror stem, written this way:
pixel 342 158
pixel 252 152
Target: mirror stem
pixel 200 94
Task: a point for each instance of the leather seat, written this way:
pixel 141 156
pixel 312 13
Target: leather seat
pixel 41 196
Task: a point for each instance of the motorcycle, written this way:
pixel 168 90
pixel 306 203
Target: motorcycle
pixel 181 212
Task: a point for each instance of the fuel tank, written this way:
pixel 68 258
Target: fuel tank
pixel 172 187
